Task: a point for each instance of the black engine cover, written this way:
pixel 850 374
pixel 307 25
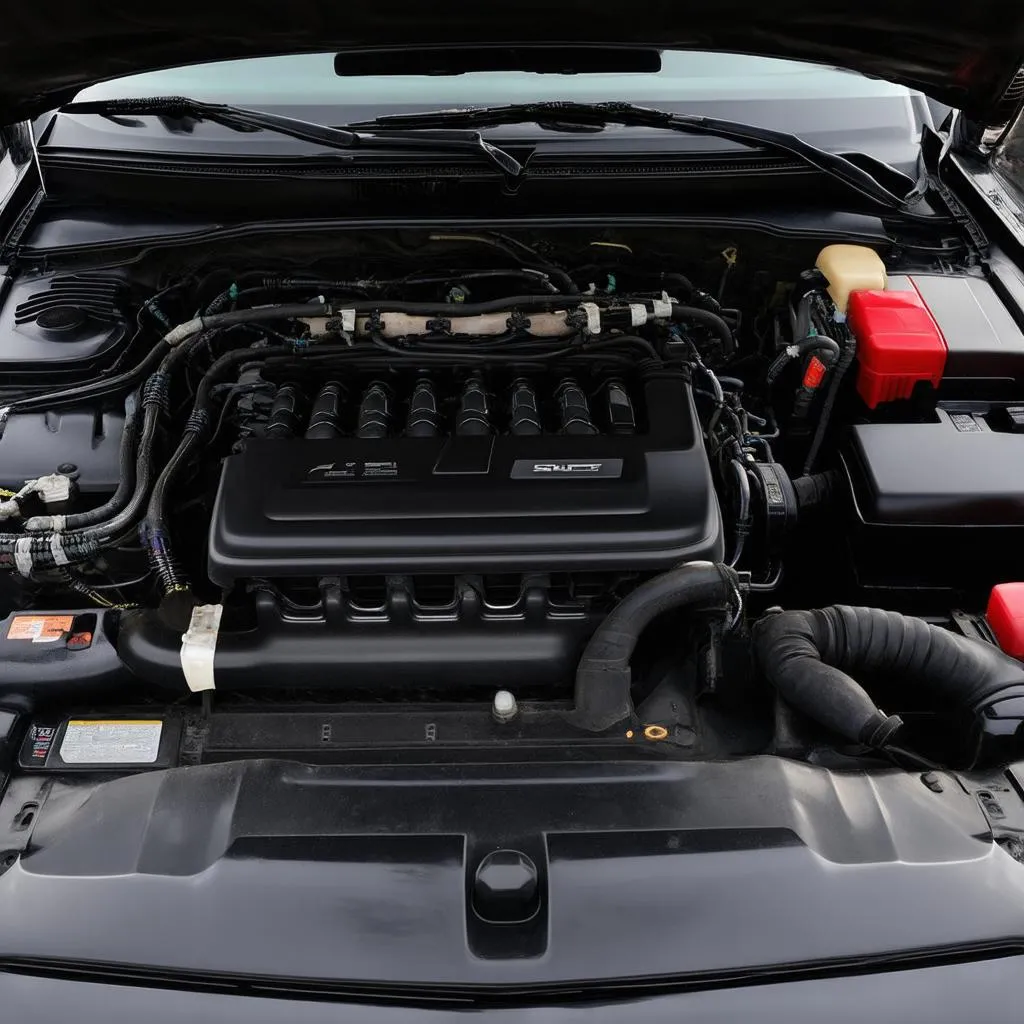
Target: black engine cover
pixel 297 507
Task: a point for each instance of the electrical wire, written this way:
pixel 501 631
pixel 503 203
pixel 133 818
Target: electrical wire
pixel 457 276
pixel 121 584
pixel 516 249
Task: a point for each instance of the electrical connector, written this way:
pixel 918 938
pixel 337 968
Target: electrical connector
pixel 52 488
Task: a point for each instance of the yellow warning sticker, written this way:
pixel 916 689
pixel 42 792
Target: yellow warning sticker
pixel 40 629
pixel 111 741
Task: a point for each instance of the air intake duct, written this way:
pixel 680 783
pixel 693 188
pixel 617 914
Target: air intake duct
pixel 813 657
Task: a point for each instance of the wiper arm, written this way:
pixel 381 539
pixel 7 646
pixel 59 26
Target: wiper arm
pixel 602 114
pixel 243 119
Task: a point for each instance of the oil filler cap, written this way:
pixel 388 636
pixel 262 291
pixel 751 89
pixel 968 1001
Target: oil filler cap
pixel 506 889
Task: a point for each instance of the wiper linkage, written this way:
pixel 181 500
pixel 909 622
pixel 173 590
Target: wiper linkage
pixel 601 114
pixel 243 119
pixel 459 129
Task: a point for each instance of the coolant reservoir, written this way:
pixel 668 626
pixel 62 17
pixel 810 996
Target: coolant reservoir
pixel 850 268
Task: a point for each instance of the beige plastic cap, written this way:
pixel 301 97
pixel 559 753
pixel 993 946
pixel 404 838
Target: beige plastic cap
pixel 851 268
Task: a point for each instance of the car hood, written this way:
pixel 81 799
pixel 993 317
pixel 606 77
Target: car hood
pixel 363 875
pixel 966 55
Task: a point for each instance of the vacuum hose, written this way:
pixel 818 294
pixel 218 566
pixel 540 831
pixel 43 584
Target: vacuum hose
pixel 807 656
pixel 603 677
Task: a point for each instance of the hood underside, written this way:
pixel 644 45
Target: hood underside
pixel 965 55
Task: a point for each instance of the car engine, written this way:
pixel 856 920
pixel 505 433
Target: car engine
pixel 551 486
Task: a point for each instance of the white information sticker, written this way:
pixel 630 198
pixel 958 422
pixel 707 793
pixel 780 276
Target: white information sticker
pixel 123 741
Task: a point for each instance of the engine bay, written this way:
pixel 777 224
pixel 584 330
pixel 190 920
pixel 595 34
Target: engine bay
pixel 514 491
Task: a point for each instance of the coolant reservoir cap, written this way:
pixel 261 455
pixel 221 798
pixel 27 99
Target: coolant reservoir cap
pixel 850 268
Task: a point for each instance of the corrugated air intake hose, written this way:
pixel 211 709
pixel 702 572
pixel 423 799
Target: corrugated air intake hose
pixel 811 658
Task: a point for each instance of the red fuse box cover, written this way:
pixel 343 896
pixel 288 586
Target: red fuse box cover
pixel 1005 614
pixel 898 344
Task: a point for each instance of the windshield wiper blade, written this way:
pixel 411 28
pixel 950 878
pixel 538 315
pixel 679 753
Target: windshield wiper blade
pixel 568 113
pixel 243 119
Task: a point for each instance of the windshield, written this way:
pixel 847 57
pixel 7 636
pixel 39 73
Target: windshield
pixel 310 79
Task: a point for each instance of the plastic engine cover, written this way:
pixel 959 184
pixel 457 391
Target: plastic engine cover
pixel 298 507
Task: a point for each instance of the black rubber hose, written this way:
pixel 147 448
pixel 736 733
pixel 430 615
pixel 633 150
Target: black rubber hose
pixel 807 291
pixel 125 482
pixel 131 378
pixel 709 319
pixel 95 389
pixel 680 280
pixel 49 550
pixel 603 677
pixel 277 311
pixel 189 444
pixel 539 276
pixel 196 428
pixel 154 401
pixel 154 531
pixel 270 287
pixel 79 545
pixel 630 341
pixel 154 534
pixel 447 355
pixel 82 544
pixel 810 657
pixel 817 490
pixel 132 510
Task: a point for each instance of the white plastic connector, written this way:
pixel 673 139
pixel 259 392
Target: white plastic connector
pixel 663 307
pixel 51 488
pixel 637 314
pixel 199 646
pixel 23 556
pixel 57 550
pixel 178 334
pixel 593 312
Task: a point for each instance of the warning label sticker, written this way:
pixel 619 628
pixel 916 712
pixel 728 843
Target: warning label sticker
pixel 121 741
pixel 40 629
pixel 40 739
